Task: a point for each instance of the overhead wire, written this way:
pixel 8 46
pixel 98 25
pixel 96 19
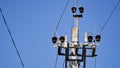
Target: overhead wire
pixel 76 1
pixel 63 64
pixel 106 22
pixel 109 17
pixel 56 60
pixel 55 33
pixel 13 41
pixel 95 62
pixel 61 17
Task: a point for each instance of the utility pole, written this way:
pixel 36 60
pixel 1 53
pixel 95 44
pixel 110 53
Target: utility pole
pixel 72 54
pixel 75 38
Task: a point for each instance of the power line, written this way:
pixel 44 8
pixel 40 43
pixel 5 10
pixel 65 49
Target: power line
pixel 61 17
pixel 76 1
pixel 5 22
pixel 56 60
pixel 63 64
pixel 58 26
pixel 106 22
pixel 95 62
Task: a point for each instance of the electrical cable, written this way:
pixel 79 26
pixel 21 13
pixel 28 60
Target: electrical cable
pixel 63 63
pixel 5 22
pixel 58 26
pixel 95 63
pixel 56 61
pixel 106 22
pixel 61 17
pixel 76 1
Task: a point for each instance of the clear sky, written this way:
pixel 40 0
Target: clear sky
pixel 33 22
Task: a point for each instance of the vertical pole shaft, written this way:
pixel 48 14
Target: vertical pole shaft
pixel 75 43
pixel 66 55
pixel 65 62
pixel 84 57
pixel 66 58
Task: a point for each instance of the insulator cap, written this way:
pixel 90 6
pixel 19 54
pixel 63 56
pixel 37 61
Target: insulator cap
pixel 90 38
pixel 73 9
pixel 98 38
pixel 54 39
pixel 62 39
pixel 81 9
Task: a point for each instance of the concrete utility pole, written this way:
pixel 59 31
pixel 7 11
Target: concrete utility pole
pixel 72 54
pixel 75 37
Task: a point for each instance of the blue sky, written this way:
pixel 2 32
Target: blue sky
pixel 33 22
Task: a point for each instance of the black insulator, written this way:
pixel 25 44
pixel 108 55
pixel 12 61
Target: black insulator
pixel 62 39
pixel 76 51
pixel 98 38
pixel 90 38
pixel 54 39
pixel 93 51
pixel 80 15
pixel 59 50
pixel 81 9
pixel 73 9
